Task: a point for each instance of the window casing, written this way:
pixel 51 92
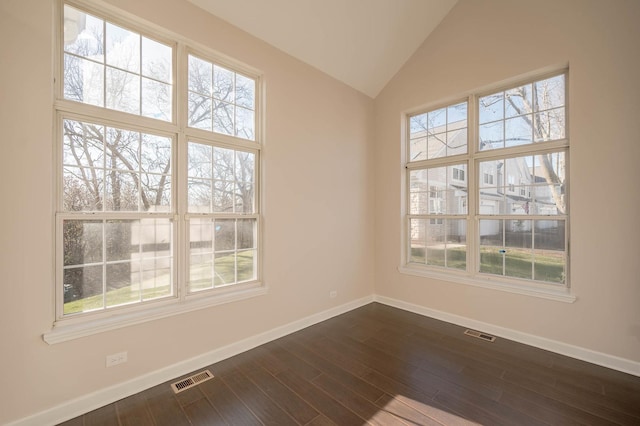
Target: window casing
pixel 158 171
pixel 512 146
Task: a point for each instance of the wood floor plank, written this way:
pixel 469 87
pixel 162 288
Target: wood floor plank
pixel 164 406
pixel 558 407
pixel 382 365
pixel 257 401
pixel 394 406
pixel 289 401
pixel 202 413
pixel 356 403
pixel 321 421
pixel 318 399
pixel 104 416
pixel 226 403
pixel 301 367
pixel 133 411
pixel 349 380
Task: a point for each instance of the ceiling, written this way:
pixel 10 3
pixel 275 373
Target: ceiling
pixel 362 43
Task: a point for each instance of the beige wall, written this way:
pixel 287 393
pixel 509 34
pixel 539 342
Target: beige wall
pixel 484 42
pixel 318 202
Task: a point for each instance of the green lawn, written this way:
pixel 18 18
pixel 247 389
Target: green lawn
pixel 200 279
pixel 548 266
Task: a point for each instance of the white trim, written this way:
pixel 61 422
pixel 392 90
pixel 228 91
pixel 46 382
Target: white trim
pixel 557 293
pixel 63 331
pixel 584 354
pixel 100 398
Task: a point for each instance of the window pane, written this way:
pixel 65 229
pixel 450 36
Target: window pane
pixel 200 76
pixel 245 92
pixel 83 80
pixel 548 193
pixel 418 234
pixel 550 93
pixel 549 253
pixel 221 100
pixel 457 116
pixel 492 135
pixel 418 149
pixel 122 171
pixel 156 154
pixel 123 283
pixel 418 192
pixel 457 142
pixel 417 126
pixel 201 254
pixel 456 244
pixel 156 60
pixel 245 123
pixel 156 278
pixel 246 265
pixel 83 189
pixel 221 251
pixel 491 108
pixel 223 118
pixel 90 43
pixel 436 246
pixel 137 262
pixel 549 125
pixel 491 246
pixel 200 109
pixel 517 131
pixel 156 99
pixel 82 240
pixel 223 196
pixel 123 150
pixel 199 196
pixel 518 101
pixel 518 254
pixel 223 84
pixel 230 175
pixel 437 120
pixel 200 161
pixel 83 289
pixel 83 34
pixel 437 145
pixel 123 48
pixel 120 244
pixel 156 192
pixel 224 266
pixel 123 91
pixel 224 235
pixel 246 233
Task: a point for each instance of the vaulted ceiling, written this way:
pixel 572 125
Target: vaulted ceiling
pixel 362 43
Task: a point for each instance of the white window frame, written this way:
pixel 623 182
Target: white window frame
pixel 84 324
pixel 557 292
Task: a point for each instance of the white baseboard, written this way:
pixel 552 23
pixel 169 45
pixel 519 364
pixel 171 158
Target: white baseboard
pixel 84 404
pixel 588 355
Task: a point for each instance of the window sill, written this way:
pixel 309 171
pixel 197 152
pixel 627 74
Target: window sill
pixel 560 294
pixel 65 330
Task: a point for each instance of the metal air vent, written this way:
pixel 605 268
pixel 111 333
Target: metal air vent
pixel 191 381
pixel 480 335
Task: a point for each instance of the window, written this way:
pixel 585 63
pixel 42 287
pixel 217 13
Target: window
pixel 154 209
pixel 513 231
pixel 458 174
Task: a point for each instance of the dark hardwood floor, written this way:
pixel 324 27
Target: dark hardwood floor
pixel 384 366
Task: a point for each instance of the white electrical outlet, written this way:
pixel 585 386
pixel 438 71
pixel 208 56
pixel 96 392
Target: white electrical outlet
pixel 115 359
pixel 333 294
